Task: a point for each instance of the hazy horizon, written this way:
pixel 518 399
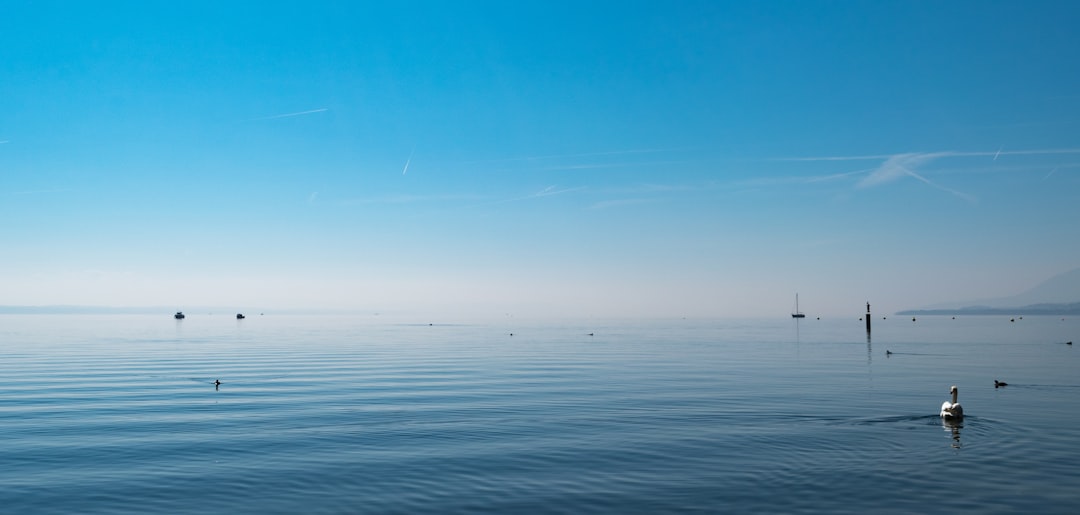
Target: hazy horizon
pixel 537 159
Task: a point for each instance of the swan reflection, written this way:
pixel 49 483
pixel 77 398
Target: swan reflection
pixel 953 426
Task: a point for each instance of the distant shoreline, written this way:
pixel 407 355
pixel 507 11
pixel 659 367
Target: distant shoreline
pixel 153 310
pixel 1034 309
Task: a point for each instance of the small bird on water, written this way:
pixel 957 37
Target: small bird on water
pixel 217 383
pixel 999 384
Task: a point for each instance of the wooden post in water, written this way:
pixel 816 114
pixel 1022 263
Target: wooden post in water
pixel 868 319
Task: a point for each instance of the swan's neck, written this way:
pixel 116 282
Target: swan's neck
pixel 954 396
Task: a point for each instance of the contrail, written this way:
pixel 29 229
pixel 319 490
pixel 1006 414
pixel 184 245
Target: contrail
pixel 37 192
pixel 1049 151
pixel 287 115
pixel 904 165
pixel 997 154
pixel 1049 174
pixel 564 156
pixel 407 161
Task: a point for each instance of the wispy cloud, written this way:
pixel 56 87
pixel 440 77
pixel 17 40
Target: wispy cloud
pixel 615 203
pixel 652 187
pixel 906 165
pixel 552 190
pixel 546 192
pixel 805 179
pixel 2 141
pixel 410 199
pixel 311 198
pixel 594 166
pixel 39 192
pixel 871 157
pixel 407 161
pixel 944 154
pixel 573 156
pixel 288 115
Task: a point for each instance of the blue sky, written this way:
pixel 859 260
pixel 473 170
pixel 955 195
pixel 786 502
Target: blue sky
pixel 537 158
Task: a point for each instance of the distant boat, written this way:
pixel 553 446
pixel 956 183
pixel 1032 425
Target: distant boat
pixel 797 313
pixel 179 315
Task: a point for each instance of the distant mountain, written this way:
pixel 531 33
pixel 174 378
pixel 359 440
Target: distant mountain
pixel 1058 295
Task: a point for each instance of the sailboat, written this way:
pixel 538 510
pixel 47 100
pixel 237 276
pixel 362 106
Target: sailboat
pixel 797 313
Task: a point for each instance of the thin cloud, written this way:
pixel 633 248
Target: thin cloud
pixel 651 187
pixel 311 198
pixel 616 203
pixel 876 157
pixel 596 166
pixel 899 166
pixel 407 161
pixel 872 157
pixel 572 156
pixel 39 192
pixel 550 190
pixel 409 199
pixel 288 115
pixel 799 179
pixel 837 176
pixel 1048 175
pixel 4 141
pixel 905 165
pixel 546 192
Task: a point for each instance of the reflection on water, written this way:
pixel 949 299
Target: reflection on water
pixel 328 414
pixel 953 427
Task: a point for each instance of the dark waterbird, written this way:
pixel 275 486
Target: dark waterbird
pixel 999 384
pixel 217 384
pixel 239 316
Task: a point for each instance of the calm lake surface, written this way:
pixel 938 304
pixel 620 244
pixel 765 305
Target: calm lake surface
pixel 366 414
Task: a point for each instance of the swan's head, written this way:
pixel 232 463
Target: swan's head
pixel 952 390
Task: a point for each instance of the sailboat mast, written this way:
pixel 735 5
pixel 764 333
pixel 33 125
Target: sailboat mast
pixel 797 313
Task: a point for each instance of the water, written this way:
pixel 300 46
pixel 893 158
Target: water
pixel 119 414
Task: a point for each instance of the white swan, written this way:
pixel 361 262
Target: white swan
pixel 952 410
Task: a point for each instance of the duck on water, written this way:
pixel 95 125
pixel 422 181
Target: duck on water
pixel 179 315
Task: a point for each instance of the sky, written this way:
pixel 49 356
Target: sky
pixel 549 158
